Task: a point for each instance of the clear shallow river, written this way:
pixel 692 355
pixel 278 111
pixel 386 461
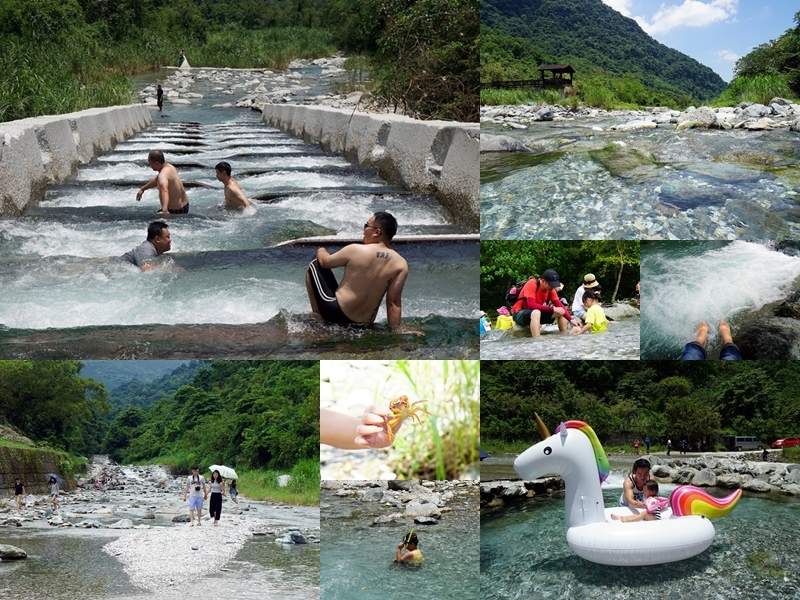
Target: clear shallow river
pixel 684 283
pixel 653 184
pixel 356 560
pixel 524 554
pixel 56 275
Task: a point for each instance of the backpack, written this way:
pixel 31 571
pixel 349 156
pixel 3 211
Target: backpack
pixel 513 294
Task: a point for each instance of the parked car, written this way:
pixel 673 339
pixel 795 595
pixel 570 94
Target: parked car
pixel 742 442
pixel 786 443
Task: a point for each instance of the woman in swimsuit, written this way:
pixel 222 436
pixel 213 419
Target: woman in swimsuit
pixel 633 487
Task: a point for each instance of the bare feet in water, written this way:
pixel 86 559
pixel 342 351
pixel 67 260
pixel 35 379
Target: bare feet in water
pixel 702 334
pixel 725 332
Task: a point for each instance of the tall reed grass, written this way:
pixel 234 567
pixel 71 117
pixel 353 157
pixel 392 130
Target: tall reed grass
pixel 760 89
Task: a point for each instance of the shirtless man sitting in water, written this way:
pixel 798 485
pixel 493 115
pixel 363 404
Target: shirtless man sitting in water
pixel 371 270
pixel 234 196
pixel 171 193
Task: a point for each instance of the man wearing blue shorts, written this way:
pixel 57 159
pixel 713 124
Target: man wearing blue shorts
pixel 196 490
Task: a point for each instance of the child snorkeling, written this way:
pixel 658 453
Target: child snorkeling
pixel 412 556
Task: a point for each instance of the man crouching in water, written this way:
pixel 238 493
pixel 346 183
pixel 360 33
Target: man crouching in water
pixel 371 270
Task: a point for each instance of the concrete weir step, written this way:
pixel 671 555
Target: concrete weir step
pixel 400 239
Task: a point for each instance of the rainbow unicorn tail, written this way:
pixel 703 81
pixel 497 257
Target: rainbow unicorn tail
pixel 690 500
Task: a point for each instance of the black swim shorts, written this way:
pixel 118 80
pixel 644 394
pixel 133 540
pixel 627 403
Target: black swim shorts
pixel 179 211
pixel 523 317
pixel 324 284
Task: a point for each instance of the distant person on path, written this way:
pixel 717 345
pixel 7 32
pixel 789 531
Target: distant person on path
pixel 412 554
pixel 696 350
pixel 233 491
pixel 638 297
pixel 234 196
pixel 217 490
pixel 669 446
pixel 171 193
pixel 196 490
pixel 594 318
pixel 19 492
pixel 181 58
pixel 538 304
pixel 633 486
pixel 647 443
pixel 684 444
pixel 636 447
pixel 371 270
pixel 160 98
pixel 356 433
pixel 653 505
pixel 589 283
pixel 54 490
pixel 157 243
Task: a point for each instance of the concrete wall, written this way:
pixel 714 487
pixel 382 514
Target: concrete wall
pixel 40 151
pixel 32 466
pixel 431 156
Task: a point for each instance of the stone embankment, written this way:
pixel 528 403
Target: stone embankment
pixel 423 502
pixel 32 465
pixel 728 471
pixel 778 114
pixel 430 156
pixel 41 151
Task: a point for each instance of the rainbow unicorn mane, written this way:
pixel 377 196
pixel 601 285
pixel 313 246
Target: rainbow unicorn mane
pixel 690 500
pixel 603 467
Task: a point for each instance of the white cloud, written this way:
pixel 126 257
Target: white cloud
pixel 692 13
pixel 727 55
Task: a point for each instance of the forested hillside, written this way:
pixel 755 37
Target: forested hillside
pixel 248 413
pixel 144 394
pixel 590 35
pixel 112 373
pixel 656 398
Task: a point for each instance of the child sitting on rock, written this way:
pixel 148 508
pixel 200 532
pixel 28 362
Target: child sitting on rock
pixel 595 318
pixel 653 505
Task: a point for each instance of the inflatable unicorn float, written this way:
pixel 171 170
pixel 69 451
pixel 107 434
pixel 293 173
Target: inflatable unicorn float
pixel 575 453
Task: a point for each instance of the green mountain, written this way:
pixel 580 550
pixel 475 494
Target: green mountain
pixel 145 391
pixel 590 35
pixel 113 373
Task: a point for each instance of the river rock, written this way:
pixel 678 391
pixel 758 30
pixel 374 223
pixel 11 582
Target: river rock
pixel 292 537
pixel 793 476
pixel 730 481
pixel 402 484
pixel 8 552
pixel 685 475
pixel 419 509
pixel 386 519
pixel 544 114
pixel 757 485
pixel 704 117
pixel 795 126
pixel 620 310
pixel 122 524
pixel 705 478
pixel 625 163
pixel 780 102
pixel 760 124
pixel 501 143
pixel 661 471
pixel 769 338
pixel 425 521
pixel 372 495
pixel 790 489
pixel 636 125
pixel 182 518
pixel 756 111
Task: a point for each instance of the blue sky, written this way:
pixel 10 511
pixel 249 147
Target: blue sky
pixel 713 32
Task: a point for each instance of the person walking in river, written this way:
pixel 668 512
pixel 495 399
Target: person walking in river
pixel 696 350
pixel 372 270
pixel 171 192
pixel 54 491
pixel 196 490
pixel 217 490
pixel 19 492
pixel 233 491
pixel 160 97
pixel 412 555
pixel 234 196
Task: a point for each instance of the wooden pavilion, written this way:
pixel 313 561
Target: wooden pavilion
pixel 560 76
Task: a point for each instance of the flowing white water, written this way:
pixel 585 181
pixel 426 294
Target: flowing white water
pixel 684 284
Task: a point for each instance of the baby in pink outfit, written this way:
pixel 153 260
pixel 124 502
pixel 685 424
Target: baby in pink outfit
pixel 653 505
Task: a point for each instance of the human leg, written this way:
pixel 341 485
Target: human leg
pixel 696 350
pixel 562 324
pixel 535 325
pixel 729 351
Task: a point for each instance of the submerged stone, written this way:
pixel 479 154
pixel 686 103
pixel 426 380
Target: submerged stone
pixel 626 163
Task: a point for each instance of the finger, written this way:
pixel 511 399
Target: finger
pixel 369 430
pixel 384 411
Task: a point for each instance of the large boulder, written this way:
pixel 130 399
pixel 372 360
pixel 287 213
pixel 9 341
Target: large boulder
pixel 705 478
pixel 756 111
pixel 420 509
pixel 122 524
pixel 757 485
pixel 730 481
pixel 373 495
pixel 8 552
pixel 703 117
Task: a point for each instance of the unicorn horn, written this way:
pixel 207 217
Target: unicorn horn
pixel 542 427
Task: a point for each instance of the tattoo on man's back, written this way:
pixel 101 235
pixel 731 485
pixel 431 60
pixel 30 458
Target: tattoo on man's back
pixel 382 254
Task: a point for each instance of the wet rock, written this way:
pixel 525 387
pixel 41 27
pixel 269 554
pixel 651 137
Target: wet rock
pixel 661 471
pixel 703 117
pixel 780 102
pixel 386 519
pixel 760 124
pixel 769 338
pixel 795 126
pixel 705 478
pixel 625 163
pixel 402 485
pixel 8 552
pixel 501 143
pixel 756 111
pixel 620 310
pixel 636 125
pixel 791 489
pixel 372 495
pixel 182 518
pixel 425 521
pixel 122 524
pixel 545 114
pixel 730 481
pixel 426 509
pixel 685 475
pixel 757 485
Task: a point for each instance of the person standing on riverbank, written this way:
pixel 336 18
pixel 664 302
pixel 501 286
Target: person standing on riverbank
pixel 181 58
pixel 234 196
pixel 217 490
pixel 196 490
pixel 371 270
pixel 19 492
pixel 171 192
pixel 234 492
pixel 160 97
